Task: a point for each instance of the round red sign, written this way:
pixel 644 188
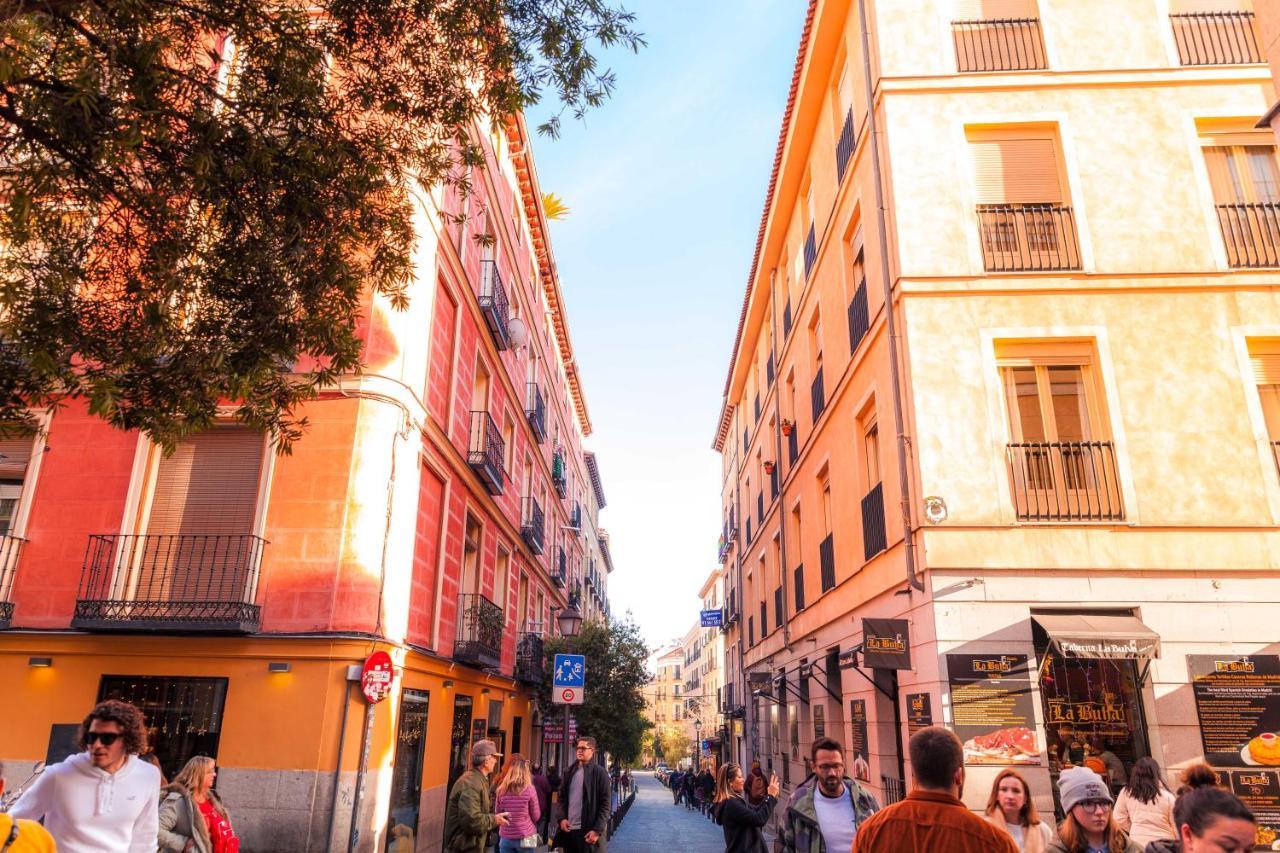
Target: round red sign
pixel 375 680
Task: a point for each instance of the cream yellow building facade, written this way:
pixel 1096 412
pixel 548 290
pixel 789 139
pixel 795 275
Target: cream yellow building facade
pixel 1050 453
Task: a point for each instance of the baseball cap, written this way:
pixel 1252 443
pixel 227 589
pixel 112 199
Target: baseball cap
pixel 484 748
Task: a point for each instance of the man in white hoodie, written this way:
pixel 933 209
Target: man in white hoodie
pixel 105 799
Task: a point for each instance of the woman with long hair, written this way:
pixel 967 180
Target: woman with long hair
pixel 1195 776
pixel 1010 808
pixel 1088 826
pixel 192 816
pixel 519 799
pixel 1144 808
pixel 741 821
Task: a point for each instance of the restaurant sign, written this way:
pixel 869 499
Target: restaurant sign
pixel 886 643
pixel 1096 647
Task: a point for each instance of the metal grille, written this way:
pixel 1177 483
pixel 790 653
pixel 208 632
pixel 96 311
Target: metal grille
pixel 1028 237
pixel 485 451
pixel 844 147
pixel 827 555
pixel 873 537
pixel 998 44
pixel 810 251
pixel 10 551
pixel 1216 38
pixel 493 303
pixel 1065 481
pixel 1251 233
pixel 479 638
pixel 532 525
pixel 529 658
pixel 536 411
pixel 893 790
pixel 799 587
pixel 817 396
pixel 198 582
pixel 859 317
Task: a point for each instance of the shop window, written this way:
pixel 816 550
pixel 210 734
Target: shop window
pixel 184 715
pixel 460 739
pixel 406 772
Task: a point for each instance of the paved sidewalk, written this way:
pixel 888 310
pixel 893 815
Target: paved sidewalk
pixel 654 825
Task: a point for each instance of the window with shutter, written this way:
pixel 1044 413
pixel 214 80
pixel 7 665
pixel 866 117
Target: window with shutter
pixel 1264 358
pixel 210 484
pixel 15 456
pixel 1244 176
pixel 997 35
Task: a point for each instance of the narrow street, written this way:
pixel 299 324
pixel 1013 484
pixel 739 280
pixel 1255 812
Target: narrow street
pixel 654 825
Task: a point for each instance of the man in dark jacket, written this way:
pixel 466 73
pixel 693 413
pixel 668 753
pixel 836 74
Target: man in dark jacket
pixel 583 807
pixel 542 785
pixel 468 816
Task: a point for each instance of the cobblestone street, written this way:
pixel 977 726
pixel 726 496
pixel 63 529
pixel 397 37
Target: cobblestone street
pixel 654 825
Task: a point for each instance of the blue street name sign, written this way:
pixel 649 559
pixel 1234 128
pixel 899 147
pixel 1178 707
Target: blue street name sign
pixel 569 671
pixel 712 618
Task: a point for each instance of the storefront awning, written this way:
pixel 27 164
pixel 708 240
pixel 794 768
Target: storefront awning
pixel 1092 636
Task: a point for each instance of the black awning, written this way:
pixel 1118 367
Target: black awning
pixel 1093 636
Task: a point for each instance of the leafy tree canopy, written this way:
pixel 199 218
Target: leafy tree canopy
pixel 613 712
pixel 195 195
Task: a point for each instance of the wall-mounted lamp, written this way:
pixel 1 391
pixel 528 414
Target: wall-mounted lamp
pixel 278 666
pixel 448 682
pixel 511 695
pixel 484 691
pixel 39 661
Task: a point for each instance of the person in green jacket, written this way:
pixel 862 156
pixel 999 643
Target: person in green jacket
pixel 469 817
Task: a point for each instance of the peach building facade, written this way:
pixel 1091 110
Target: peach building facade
pixel 1005 384
pixel 441 508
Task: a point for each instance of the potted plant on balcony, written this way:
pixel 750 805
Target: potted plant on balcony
pixel 787 426
pixel 768 466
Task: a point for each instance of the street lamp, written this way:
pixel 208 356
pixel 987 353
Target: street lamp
pixel 570 621
pixel 697 735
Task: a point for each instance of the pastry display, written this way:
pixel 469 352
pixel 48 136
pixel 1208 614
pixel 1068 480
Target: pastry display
pixel 1265 749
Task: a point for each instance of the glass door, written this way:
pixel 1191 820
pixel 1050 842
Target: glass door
pixel 406 772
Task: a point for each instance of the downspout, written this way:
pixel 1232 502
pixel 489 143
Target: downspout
pixel 908 535
pixel 777 464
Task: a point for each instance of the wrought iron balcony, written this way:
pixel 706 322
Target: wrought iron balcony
pixel 817 396
pixel 559 477
pixel 1216 38
pixel 1065 481
pixel 480 623
pixel 873 533
pixel 529 658
pixel 575 517
pixel 493 303
pixel 998 44
pixel 1251 233
pixel 1028 237
pixel 810 251
pixel 844 147
pixel 827 560
pixel 799 587
pixel 859 317
pixel 561 574
pixel 485 452
pixel 160 582
pixel 535 410
pixel 533 525
pixel 10 552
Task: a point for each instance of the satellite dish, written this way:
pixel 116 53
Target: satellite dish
pixel 517 332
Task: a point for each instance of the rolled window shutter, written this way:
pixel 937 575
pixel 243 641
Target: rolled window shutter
pixel 1184 7
pixel 209 484
pixel 1017 171
pixel 15 456
pixel 986 10
pixel 1266 367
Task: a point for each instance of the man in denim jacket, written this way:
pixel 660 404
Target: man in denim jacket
pixel 826 810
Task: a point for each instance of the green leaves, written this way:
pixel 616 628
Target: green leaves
pixel 200 193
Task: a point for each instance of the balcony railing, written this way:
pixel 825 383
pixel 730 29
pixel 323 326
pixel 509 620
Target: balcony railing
pixel 827 557
pixel 156 582
pixel 535 410
pixel 485 452
pixel 480 624
pixel 10 552
pixel 817 396
pixel 1028 237
pixel 810 251
pixel 998 44
pixel 529 658
pixel 1251 233
pixel 561 574
pixel 493 303
pixel 873 534
pixel 559 477
pixel 533 525
pixel 799 587
pixel 844 147
pixel 575 516
pixel 859 317
pixel 1216 38
pixel 1065 481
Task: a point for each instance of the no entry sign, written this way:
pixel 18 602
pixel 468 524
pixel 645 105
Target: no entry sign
pixel 376 677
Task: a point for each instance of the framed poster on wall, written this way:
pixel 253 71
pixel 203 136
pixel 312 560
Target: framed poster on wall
pixel 993 714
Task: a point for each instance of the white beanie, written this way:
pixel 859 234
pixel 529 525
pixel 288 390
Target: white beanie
pixel 1077 784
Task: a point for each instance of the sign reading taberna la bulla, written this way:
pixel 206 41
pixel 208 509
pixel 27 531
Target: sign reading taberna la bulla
pixel 568 679
pixel 712 618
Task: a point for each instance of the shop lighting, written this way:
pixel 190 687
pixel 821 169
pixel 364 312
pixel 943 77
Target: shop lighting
pixel 448 682
pixel 39 661
pixel 277 666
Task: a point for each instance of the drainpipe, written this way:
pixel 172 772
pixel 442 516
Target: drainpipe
pixel 777 461
pixel 908 535
pixel 337 773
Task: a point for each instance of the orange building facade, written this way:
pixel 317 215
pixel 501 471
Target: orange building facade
pixel 1000 427
pixel 441 508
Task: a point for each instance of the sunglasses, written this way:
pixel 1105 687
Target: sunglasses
pixel 105 738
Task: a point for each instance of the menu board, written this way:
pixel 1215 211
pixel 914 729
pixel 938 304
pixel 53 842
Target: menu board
pixel 991 708
pixel 1238 705
pixel 859 745
pixel 819 722
pixel 1260 791
pixel 919 712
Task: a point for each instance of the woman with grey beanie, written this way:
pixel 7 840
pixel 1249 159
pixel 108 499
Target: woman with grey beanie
pixel 1088 827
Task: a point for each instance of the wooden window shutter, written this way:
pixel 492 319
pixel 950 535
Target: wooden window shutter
pixel 209 484
pixel 15 455
pixel 1017 171
pixel 1266 367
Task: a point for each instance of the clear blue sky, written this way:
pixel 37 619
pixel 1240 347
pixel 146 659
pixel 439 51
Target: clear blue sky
pixel 666 183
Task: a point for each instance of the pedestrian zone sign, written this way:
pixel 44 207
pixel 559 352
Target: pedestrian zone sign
pixel 568 679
